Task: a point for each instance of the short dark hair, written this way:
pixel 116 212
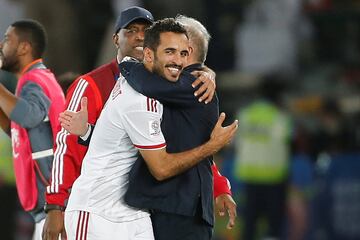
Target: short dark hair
pixel 33 32
pixel 152 34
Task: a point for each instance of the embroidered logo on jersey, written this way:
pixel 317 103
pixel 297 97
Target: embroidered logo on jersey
pixel 151 105
pixel 15 141
pixel 116 90
pixel 154 128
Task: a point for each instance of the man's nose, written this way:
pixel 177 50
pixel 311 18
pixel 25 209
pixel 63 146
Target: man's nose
pixel 140 35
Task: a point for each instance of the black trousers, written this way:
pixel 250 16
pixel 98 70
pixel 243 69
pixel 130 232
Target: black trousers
pixel 264 201
pixel 169 226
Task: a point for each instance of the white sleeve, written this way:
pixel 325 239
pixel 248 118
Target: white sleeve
pixel 143 128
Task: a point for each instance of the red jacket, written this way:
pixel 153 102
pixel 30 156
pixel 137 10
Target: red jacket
pixel 96 86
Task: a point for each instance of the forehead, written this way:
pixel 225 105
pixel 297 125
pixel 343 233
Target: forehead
pixel 10 32
pixel 138 24
pixel 173 40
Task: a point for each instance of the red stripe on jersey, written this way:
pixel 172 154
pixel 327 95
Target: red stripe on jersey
pixel 151 146
pixel 83 216
pixel 151 105
pixel 77 227
pixel 148 104
pixel 154 105
pixel 86 224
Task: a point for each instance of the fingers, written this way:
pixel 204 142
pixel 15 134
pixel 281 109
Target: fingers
pixel 66 127
pixel 48 235
pixel 231 223
pixel 232 216
pixel 209 97
pixel 84 102
pixel 225 203
pixel 207 90
pixel 220 120
pixel 201 90
pixel 66 117
pixel 232 130
pixel 234 125
pixel 196 74
pixel 221 210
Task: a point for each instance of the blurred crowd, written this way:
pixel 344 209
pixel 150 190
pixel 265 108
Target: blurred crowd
pixel 289 70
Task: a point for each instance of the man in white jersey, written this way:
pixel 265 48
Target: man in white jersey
pixel 130 122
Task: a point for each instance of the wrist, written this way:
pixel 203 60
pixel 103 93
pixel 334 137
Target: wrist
pixel 86 132
pixel 51 207
pixel 211 147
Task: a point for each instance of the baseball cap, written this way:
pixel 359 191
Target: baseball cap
pixel 131 14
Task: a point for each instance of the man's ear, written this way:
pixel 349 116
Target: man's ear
pixel 24 48
pixel 148 55
pixel 191 50
pixel 115 38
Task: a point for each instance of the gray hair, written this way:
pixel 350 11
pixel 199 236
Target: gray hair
pixel 198 35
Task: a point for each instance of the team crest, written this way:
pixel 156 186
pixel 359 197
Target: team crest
pixel 154 128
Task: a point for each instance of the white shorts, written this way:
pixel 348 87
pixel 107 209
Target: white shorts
pixel 82 225
pixel 38 230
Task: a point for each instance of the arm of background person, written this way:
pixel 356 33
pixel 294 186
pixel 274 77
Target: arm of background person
pixel 7 104
pixel 176 94
pixel 224 203
pixel 32 103
pixel 5 123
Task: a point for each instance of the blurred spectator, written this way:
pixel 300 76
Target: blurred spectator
pixel 268 39
pixel 262 159
pixel 332 136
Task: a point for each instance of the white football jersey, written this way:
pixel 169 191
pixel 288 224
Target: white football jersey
pixel 128 122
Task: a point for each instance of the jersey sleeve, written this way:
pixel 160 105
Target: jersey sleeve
pixel 221 183
pixel 32 103
pixel 175 94
pixel 68 154
pixel 143 128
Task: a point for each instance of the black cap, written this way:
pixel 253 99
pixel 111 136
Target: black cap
pixel 131 14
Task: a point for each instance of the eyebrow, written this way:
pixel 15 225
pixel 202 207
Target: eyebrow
pixel 129 27
pixel 171 49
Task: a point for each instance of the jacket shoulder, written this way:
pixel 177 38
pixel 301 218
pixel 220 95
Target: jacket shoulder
pixel 109 69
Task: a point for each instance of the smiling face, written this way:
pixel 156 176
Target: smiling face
pixel 9 54
pixel 130 40
pixel 171 55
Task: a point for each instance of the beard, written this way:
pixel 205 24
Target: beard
pixel 157 67
pixel 9 64
pixel 158 70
